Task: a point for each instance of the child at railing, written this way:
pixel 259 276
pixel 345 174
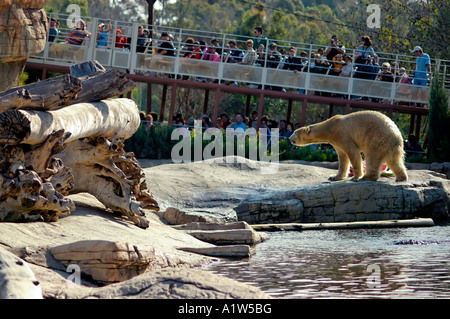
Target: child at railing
pixel 77 35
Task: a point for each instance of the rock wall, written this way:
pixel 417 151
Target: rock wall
pixel 23 29
pixel 350 202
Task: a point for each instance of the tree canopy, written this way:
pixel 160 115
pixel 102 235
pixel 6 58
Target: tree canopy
pixel 404 24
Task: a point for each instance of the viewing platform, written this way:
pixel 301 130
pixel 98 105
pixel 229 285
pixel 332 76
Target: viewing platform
pixel 142 64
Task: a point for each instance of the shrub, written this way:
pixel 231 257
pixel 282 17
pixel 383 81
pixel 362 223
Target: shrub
pixel 439 123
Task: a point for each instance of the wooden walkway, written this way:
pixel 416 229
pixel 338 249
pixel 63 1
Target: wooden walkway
pixel 416 112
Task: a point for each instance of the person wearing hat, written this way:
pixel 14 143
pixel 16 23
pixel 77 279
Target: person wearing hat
pixel 102 34
pixel 423 67
pixel 53 30
pixel 166 47
pixel 77 35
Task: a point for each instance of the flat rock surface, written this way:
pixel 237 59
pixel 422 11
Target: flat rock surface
pixel 219 187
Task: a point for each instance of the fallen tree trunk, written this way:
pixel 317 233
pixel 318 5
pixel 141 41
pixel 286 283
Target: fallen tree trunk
pixel 119 117
pixel 65 90
pixel 65 135
pixel 43 95
pixel 418 222
pixel 18 99
pixel 101 86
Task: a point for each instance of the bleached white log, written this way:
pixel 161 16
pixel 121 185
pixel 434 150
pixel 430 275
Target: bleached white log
pixel 118 117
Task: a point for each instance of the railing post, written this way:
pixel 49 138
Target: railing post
pixel 264 71
pixel 133 55
pixel 93 40
pixel 394 83
pixel 177 56
pixel 263 77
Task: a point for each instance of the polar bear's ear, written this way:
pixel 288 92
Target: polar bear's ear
pixel 308 130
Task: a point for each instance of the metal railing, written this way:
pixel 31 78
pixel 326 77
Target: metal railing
pixel 134 58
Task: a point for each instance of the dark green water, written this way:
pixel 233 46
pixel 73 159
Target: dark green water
pixel 364 263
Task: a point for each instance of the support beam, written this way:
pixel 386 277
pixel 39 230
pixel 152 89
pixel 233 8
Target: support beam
pixel 163 103
pixel 260 110
pixel 411 124
pixel 330 110
pixel 205 101
pixel 173 101
pixel 289 111
pixel 303 117
pixel 247 105
pixel 149 98
pixel 417 133
pixel 216 106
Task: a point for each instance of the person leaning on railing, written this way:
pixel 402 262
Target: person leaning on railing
pixel 292 62
pixel 364 51
pixel 423 67
pixel 121 40
pixel 77 35
pixel 250 55
pixel 166 47
pixel 102 35
pixel 53 30
pixel 347 69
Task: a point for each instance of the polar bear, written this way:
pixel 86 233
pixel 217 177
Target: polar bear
pixel 369 132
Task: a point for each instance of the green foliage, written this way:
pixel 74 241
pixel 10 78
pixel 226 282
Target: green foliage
pixel 60 6
pixel 154 142
pixel 157 143
pixel 439 123
pixel 320 153
pixel 23 78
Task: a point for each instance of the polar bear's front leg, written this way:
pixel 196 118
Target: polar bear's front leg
pixel 343 165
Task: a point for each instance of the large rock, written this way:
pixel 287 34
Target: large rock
pixel 23 31
pixel 106 261
pixel 298 192
pixel 237 233
pixel 170 284
pixel 350 202
pixel 175 216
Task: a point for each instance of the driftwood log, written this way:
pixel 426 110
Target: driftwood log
pixel 65 90
pixel 104 118
pixel 65 147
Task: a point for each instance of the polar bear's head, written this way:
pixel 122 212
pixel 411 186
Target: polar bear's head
pixel 301 136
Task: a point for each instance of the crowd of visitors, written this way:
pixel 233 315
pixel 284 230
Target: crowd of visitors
pixel 259 51
pixel 239 124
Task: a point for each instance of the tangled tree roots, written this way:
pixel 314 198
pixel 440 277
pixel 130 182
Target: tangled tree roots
pixel 51 149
